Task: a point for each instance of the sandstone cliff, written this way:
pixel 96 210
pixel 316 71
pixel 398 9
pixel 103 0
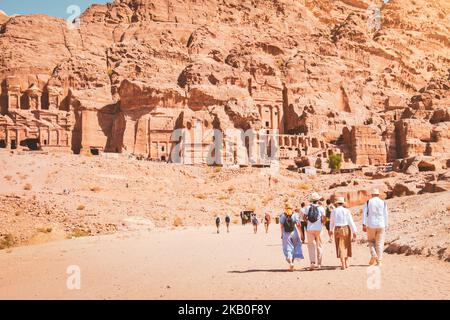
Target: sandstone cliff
pixel 134 70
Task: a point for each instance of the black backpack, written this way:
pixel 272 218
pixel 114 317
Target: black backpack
pixel 217 220
pixel 328 212
pixel 289 224
pixel 227 219
pixel 313 213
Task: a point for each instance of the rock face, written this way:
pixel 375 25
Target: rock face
pixel 133 71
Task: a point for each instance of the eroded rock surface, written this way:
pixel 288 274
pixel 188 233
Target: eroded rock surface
pixel 315 70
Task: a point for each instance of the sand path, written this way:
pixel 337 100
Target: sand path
pixel 196 263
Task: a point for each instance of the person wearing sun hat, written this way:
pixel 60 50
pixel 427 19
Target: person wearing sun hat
pixel 315 216
pixel 375 221
pixel 343 227
pixel 291 235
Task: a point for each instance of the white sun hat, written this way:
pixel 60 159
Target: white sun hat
pixel 315 196
pixel 340 200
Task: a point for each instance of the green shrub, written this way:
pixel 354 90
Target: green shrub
pixel 335 161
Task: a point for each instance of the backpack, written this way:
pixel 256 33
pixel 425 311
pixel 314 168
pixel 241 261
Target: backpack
pixel 217 220
pixel 227 219
pixel 328 211
pixel 289 224
pixel 313 213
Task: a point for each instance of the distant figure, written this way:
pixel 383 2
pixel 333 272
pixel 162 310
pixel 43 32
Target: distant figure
pixel 267 221
pixel 302 214
pixel 227 222
pixel 344 229
pixel 246 217
pixel 255 223
pixel 315 218
pixel 328 209
pixel 375 223
pixel 218 221
pixel 291 236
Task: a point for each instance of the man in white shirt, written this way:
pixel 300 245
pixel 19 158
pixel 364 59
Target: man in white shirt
pixel 315 216
pixel 375 223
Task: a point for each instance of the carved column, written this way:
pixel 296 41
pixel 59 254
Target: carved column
pixel 34 97
pixel 272 126
pixel 54 94
pixel 13 97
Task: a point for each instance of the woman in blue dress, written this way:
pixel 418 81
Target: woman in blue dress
pixel 292 235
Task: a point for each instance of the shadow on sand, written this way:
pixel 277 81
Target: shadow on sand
pixel 324 268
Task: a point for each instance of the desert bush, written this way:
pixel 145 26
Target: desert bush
pixel 302 186
pixel 177 222
pixel 45 230
pixel 27 187
pixel 281 64
pixel 335 161
pixel 6 241
pixel 224 197
pixel 78 233
pixel 95 189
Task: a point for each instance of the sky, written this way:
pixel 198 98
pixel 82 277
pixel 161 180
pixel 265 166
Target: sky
pixel 57 8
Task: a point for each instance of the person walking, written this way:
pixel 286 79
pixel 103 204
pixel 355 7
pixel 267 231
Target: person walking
pixel 267 221
pixel 227 222
pixel 344 230
pixel 218 221
pixel 291 236
pixel 375 223
pixel 255 223
pixel 302 214
pixel 328 209
pixel 315 218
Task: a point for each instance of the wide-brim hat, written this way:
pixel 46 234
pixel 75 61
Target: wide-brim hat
pixel 376 191
pixel 340 200
pixel 315 196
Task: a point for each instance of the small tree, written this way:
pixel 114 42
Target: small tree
pixel 335 161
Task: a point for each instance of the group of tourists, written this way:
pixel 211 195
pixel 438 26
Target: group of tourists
pixel 307 224
pixel 227 223
pixel 253 219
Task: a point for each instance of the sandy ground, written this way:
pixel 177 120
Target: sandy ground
pixel 196 263
pixel 48 197
pixel 148 240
